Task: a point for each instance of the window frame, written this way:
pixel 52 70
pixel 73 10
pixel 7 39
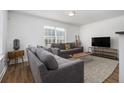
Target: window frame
pixel 56 29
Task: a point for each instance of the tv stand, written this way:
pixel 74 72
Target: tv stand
pixel 105 52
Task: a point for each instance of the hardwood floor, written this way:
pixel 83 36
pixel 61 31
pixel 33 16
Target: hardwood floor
pixel 21 74
pixel 114 77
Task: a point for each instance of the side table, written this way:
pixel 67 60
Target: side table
pixel 16 55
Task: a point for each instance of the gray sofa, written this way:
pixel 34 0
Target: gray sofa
pixel 65 53
pixel 66 71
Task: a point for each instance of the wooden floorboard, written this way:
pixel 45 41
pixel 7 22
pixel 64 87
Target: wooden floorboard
pixel 21 73
pixel 114 77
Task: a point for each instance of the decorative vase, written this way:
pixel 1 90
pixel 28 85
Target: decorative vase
pixel 76 41
pixel 16 44
pixel 79 42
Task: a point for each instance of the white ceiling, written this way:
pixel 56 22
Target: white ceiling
pixel 82 17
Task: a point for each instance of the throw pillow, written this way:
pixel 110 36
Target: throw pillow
pixel 62 46
pixel 47 49
pixel 46 57
pixel 67 46
pixel 72 45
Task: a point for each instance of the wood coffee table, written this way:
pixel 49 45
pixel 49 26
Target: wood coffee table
pixel 83 56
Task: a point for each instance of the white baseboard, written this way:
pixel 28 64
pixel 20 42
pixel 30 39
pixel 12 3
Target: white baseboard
pixel 3 73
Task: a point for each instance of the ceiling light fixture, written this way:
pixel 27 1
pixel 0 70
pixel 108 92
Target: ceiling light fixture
pixel 72 13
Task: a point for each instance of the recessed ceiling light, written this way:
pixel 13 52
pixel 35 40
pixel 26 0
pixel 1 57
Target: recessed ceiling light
pixel 72 13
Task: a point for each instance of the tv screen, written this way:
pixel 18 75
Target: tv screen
pixel 101 41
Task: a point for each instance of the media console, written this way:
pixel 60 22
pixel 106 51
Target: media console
pixel 105 52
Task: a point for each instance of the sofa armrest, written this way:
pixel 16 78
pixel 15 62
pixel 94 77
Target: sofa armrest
pixel 72 72
pixel 38 69
pixel 55 51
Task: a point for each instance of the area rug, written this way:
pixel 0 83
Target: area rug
pixel 97 69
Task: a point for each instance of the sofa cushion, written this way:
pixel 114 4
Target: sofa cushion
pixel 61 61
pixel 69 51
pixel 45 48
pixel 57 57
pixel 62 46
pixel 55 45
pixel 58 45
pixel 47 58
pixel 65 51
pixel 72 45
pixel 33 49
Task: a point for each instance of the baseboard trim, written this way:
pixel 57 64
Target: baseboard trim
pixel 3 73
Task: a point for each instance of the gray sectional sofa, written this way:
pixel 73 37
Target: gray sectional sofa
pixel 47 67
pixel 65 53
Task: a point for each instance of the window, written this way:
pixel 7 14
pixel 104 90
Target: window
pixel 54 35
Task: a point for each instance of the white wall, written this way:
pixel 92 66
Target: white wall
pixel 29 29
pixel 121 58
pixel 3 33
pixel 100 29
pixel 5 30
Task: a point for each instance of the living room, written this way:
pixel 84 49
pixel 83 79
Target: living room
pixel 22 29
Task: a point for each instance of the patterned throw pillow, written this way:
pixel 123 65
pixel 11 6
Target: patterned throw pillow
pixel 67 46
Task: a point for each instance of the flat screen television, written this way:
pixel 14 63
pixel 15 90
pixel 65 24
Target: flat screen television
pixel 101 41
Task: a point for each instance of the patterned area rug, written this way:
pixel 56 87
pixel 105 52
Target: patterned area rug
pixel 97 69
